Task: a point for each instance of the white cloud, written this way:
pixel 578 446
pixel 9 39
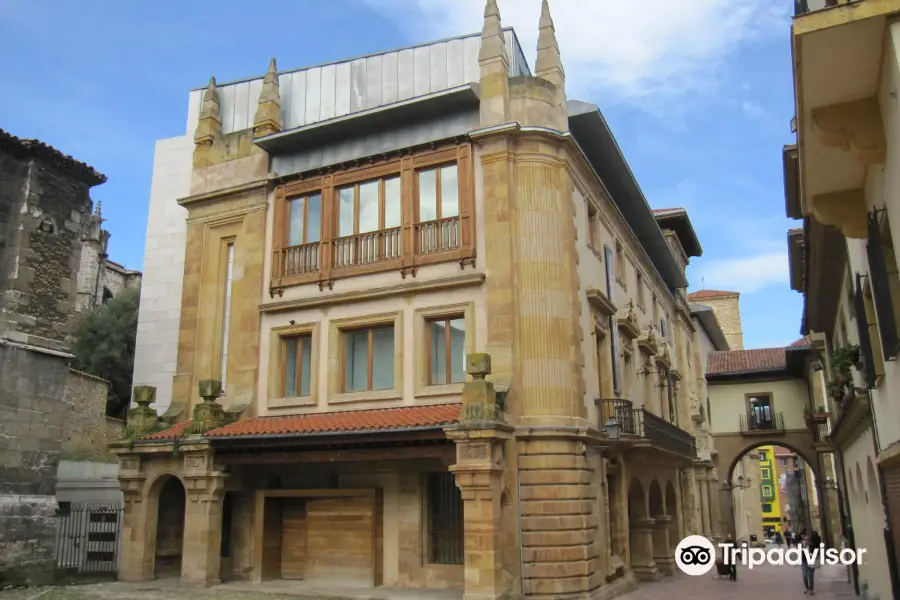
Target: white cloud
pixel 636 52
pixel 745 274
pixel 752 110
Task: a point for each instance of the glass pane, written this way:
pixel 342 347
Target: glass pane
pixel 383 358
pixel 449 192
pixel 345 209
pixel 427 195
pixel 392 202
pixel 290 367
pixel 368 206
pixel 438 353
pixel 356 376
pixel 305 365
pixel 314 219
pixel 295 221
pixel 457 350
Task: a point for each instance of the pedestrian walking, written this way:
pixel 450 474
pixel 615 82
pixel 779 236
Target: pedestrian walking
pixel 789 538
pixel 807 566
pixel 732 564
pixel 778 539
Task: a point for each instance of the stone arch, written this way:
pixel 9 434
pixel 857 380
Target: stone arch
pixel 166 504
pixel 655 500
pixel 808 455
pixel 872 482
pixel 676 528
pixel 863 492
pixel 637 500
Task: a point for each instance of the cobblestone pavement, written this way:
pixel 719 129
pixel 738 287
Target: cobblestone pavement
pixel 762 583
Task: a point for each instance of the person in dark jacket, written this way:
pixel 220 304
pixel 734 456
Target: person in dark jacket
pixel 808 568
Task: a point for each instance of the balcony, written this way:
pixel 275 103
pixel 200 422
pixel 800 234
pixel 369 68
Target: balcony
pixel 753 423
pixel 374 251
pixel 664 435
pixel 801 7
pixel 622 410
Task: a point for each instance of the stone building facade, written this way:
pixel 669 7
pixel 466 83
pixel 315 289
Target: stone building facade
pixel 415 315
pixel 726 306
pixel 44 206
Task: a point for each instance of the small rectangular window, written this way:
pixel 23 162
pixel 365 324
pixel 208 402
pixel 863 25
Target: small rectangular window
pixel 63 509
pixel 767 508
pixel 369 359
pixel 297 359
pixel 767 491
pixel 765 473
pixel 447 350
pixel 445 520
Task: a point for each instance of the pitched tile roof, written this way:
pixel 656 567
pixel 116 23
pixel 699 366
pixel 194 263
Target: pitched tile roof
pixel 23 147
pixel 709 294
pixel 381 419
pixel 744 361
pixel 801 343
pixel 174 432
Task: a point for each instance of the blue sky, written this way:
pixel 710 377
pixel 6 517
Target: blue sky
pixel 698 94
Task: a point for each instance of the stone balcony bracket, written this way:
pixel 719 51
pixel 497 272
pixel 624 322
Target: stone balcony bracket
pixel 855 127
pixel 845 210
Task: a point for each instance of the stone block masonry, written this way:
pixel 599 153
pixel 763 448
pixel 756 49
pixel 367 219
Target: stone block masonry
pixel 32 414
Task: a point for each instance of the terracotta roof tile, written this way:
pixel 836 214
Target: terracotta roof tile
pixel 383 419
pixel 801 343
pixel 743 361
pixel 174 432
pixel 708 294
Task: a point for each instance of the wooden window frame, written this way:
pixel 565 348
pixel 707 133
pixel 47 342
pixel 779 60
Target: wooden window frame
pixel 287 221
pixel 370 358
pixel 283 366
pixel 421 347
pixel 447 347
pixel 336 357
pixel 275 379
pixel 411 258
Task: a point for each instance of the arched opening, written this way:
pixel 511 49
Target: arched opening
pixel 636 505
pixel 773 493
pixel 656 500
pixel 661 524
pixel 169 528
pixel 675 527
pixel 107 295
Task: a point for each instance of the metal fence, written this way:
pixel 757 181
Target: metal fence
pixel 87 541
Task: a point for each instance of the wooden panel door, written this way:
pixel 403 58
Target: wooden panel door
pixel 341 540
pixel 293 539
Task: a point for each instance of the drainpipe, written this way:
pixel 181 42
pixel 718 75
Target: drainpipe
pixel 888 534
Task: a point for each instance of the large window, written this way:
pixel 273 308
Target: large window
pixel 368 359
pixel 296 368
pixel 760 412
pixel 368 225
pixel 445 520
pixel 438 203
pixel 447 350
pixel 391 213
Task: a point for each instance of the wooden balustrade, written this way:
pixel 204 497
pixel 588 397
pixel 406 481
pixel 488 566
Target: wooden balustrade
pixel 438 236
pixel 298 260
pixel 366 248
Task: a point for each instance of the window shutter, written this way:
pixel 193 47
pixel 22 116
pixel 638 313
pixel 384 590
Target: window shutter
pixel 865 343
pixel 878 276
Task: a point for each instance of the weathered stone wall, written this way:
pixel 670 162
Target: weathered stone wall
pixel 87 430
pixel 42 256
pixel 728 312
pixel 32 413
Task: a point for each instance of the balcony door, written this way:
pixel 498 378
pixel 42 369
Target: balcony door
pixel 761 414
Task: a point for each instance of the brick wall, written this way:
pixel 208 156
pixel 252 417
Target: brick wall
pixel 87 430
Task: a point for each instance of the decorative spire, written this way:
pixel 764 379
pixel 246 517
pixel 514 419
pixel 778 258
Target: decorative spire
pixel 492 56
pixel 209 126
pixel 549 64
pixel 268 118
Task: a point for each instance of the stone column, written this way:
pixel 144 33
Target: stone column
pixel 704 507
pixel 662 548
pixel 136 553
pixel 642 563
pixel 205 488
pixel 480 437
pixel 715 510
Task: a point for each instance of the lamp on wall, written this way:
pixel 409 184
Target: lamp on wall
pixel 613 429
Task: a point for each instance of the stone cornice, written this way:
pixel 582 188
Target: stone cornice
pixel 628 322
pixel 599 302
pixel 237 190
pixel 400 289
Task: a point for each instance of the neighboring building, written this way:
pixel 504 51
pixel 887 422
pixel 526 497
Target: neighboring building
pixel 745 495
pixel 362 243
pixel 726 306
pixel 770 496
pixel 841 179
pixel 50 416
pixel 100 279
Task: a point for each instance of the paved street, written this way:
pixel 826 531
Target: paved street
pixel 762 583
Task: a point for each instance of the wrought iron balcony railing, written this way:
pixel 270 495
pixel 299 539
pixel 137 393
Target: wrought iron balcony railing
pixel 804 6
pixel 751 422
pixel 666 436
pixel 622 410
